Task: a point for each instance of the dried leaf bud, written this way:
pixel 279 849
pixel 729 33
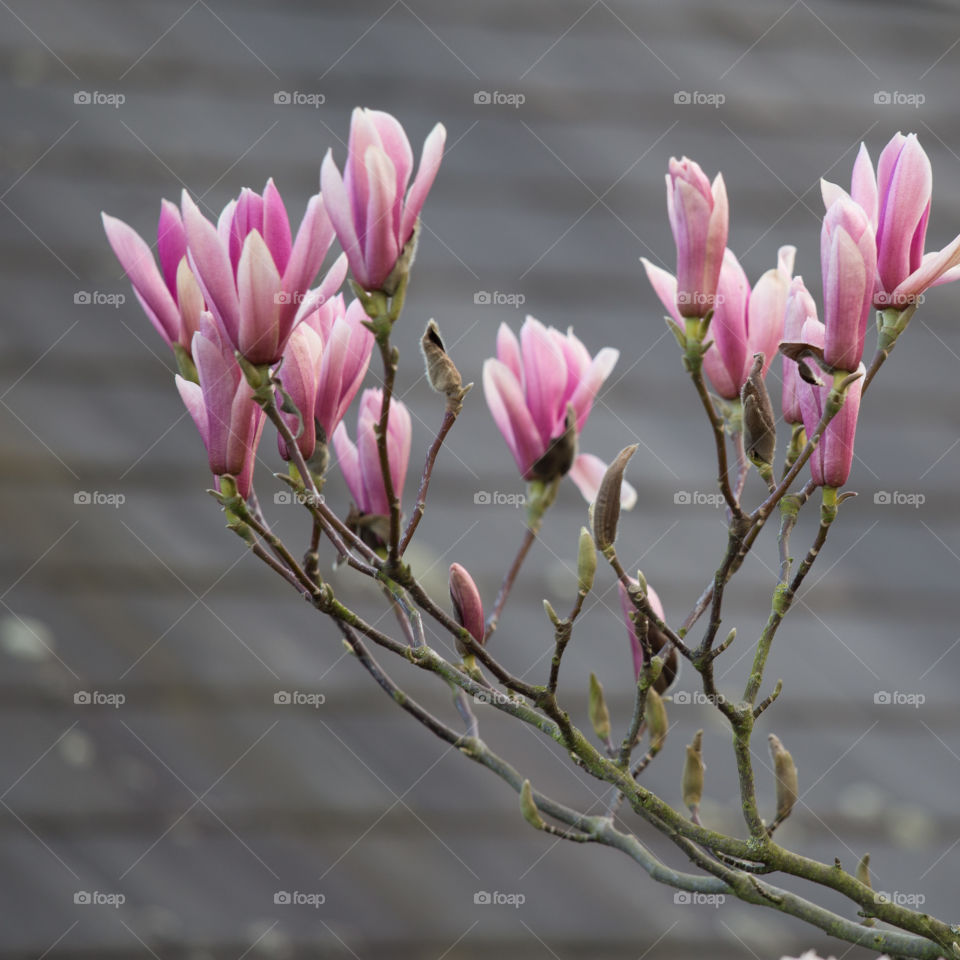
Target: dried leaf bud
pixel 599 714
pixel 529 808
pixel 606 508
pixel 786 773
pixel 759 423
pixel 586 562
pixel 441 370
pixel 467 605
pixel 561 453
pixel 656 716
pixel 692 785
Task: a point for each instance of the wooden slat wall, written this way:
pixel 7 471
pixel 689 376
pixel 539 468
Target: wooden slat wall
pixel 199 798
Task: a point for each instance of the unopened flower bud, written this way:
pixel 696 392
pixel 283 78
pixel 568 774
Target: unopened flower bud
pixel 586 562
pixel 863 875
pixel 606 508
pixel 656 716
pixel 467 605
pixel 528 807
pixel 692 785
pixel 599 714
pixel 759 423
pixel 441 370
pixel 786 773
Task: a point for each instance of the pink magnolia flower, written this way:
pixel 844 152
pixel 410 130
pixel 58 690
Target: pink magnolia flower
pixel 800 307
pixel 324 364
pixel 360 462
pixel 831 461
pixel 848 261
pixel 170 296
pixel 222 406
pixel 372 212
pixel 655 636
pixel 744 321
pixel 699 216
pixel 897 200
pixel 467 605
pixel 531 383
pixel 254 276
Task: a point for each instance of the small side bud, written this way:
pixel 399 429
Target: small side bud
pixel 599 714
pixel 586 562
pixel 863 875
pixel 442 373
pixel 551 613
pixel 529 808
pixel 692 784
pixel 786 773
pixel 656 716
pixel 759 422
pixel 606 508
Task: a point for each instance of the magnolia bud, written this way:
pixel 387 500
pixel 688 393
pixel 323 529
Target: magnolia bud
pixel 528 807
pixel 599 714
pixel 606 508
pixel 759 423
pixel 656 716
pixel 692 785
pixel 586 562
pixel 551 613
pixel 467 605
pixel 863 875
pixel 786 773
pixel 441 370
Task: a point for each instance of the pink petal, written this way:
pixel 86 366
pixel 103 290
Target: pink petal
pixel 310 247
pixel 426 173
pixel 349 460
pixel 171 243
pixel 586 391
pixel 137 261
pixel 380 249
pixel 212 268
pixel 665 286
pixel 544 378
pixel 192 397
pixel 258 284
pixel 510 413
pixel 337 204
pixel 276 226
pixel 587 473
pixel 397 147
pixel 508 351
pixel 863 185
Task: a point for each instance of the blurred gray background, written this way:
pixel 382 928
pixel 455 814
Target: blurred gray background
pixel 199 798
